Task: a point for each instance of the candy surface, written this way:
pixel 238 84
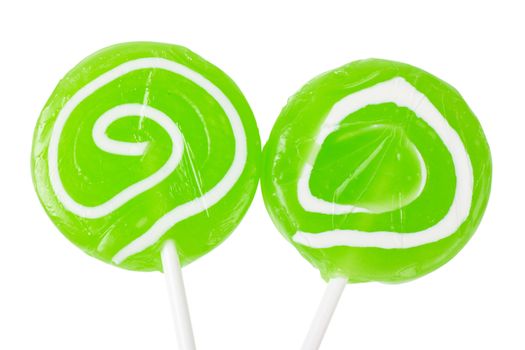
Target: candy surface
pixel 143 142
pixel 377 171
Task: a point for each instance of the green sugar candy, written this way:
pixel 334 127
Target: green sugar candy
pixel 144 142
pixel 377 171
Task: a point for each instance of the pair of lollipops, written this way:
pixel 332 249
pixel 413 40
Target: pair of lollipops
pixel 147 157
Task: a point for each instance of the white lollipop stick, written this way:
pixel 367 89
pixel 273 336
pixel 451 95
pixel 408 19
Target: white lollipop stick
pixel 177 295
pixel 324 313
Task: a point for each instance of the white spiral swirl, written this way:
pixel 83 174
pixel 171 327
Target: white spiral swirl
pixel 403 94
pixel 177 214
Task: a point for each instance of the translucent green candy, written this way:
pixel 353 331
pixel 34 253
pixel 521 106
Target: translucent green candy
pixel 143 142
pixel 377 171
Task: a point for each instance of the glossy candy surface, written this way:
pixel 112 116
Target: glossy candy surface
pixel 143 142
pixel 377 171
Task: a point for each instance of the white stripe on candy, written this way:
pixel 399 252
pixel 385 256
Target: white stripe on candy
pixel 184 211
pixel 403 94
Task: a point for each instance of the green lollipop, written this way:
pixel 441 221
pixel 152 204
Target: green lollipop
pixel 144 142
pixel 376 171
pixel 146 157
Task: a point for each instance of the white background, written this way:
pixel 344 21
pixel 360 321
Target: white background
pixel 255 291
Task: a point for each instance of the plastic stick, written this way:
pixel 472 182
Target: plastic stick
pixel 324 313
pixel 177 295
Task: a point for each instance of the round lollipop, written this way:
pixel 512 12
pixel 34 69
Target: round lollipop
pixel 376 171
pixel 146 155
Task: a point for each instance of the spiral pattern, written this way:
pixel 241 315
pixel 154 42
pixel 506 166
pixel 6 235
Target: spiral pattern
pixel 121 148
pixel 403 94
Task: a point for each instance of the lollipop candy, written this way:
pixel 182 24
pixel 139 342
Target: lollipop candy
pixel 146 148
pixel 376 171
